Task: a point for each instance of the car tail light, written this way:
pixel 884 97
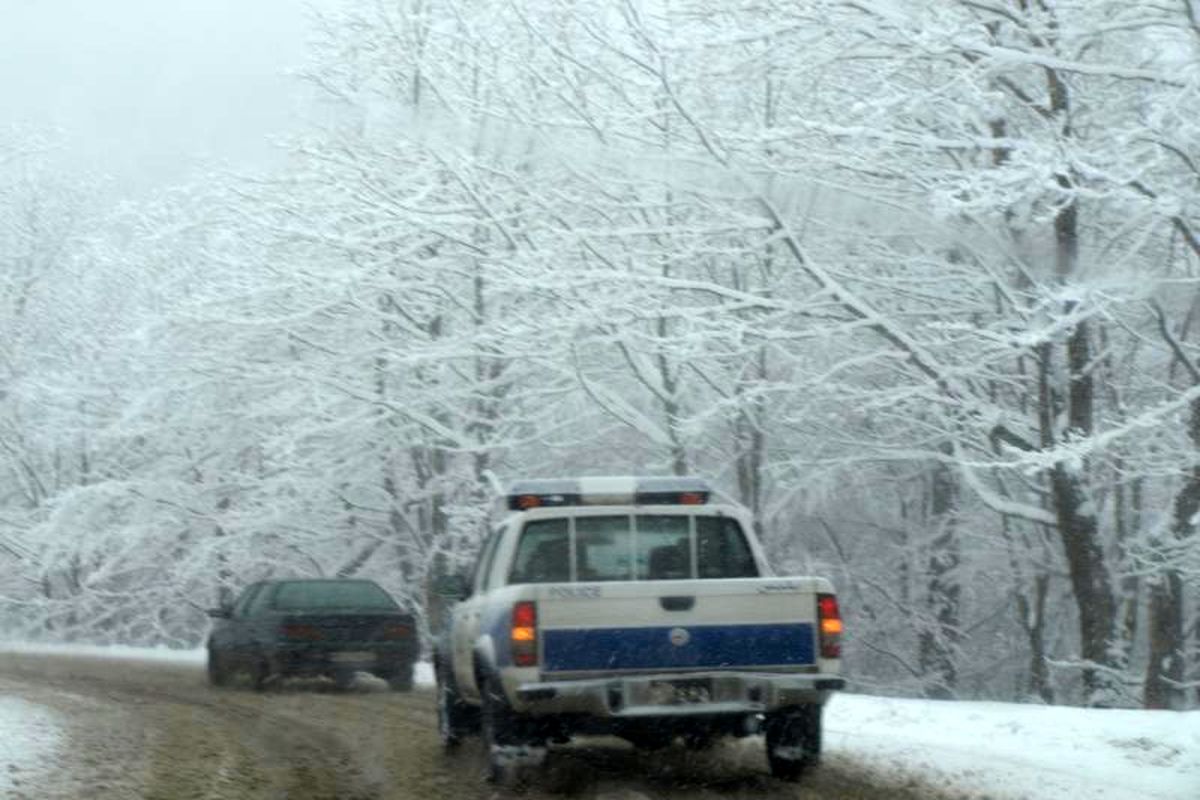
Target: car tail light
pixel 308 633
pixel 524 634
pixel 397 631
pixel 829 620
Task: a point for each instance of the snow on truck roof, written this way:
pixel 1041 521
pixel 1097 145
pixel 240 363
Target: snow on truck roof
pixel 607 491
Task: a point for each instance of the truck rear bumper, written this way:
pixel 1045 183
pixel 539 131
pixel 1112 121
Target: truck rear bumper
pixel 675 694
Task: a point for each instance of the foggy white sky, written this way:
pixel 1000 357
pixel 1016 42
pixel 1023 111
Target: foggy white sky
pixel 145 89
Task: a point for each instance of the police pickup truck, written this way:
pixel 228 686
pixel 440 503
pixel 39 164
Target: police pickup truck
pixel 634 607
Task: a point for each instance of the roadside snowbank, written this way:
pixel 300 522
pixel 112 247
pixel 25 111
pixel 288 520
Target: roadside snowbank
pixel 1007 750
pixel 30 736
pixel 110 652
pixel 423 673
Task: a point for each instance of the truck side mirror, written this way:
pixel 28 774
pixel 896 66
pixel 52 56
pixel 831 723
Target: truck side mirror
pixel 223 612
pixel 452 587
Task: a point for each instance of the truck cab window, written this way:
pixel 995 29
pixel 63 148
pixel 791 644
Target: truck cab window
pixel 721 549
pixel 664 549
pixel 481 576
pixel 543 554
pixel 603 551
pixel 607 549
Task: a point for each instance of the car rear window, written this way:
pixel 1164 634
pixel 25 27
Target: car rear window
pixel 295 595
pixel 607 548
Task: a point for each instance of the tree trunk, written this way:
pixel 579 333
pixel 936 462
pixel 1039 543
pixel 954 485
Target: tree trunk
pixel 1033 622
pixel 1039 673
pixel 1076 520
pixel 1168 639
pixel 1031 611
pixel 939 637
pixel 751 442
pixel 1090 581
pixel 1127 514
pixel 1076 514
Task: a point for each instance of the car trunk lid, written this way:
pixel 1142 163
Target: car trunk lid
pixel 343 628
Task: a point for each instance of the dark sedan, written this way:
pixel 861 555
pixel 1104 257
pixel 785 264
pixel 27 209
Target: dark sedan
pixel 309 628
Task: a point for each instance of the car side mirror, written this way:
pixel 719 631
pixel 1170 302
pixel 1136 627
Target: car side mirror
pixel 224 612
pixel 452 587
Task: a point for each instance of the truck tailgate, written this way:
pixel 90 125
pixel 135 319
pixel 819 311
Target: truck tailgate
pixel 650 626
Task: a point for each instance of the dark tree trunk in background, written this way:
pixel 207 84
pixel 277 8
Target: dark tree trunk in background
pixel 940 634
pixel 1090 581
pixel 1168 637
pixel 1126 517
pixel 1039 672
pixel 1031 611
pixel 673 412
pixel 751 442
pixel 1073 506
pixel 1077 526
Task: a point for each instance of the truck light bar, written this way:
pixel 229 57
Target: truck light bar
pixel 550 492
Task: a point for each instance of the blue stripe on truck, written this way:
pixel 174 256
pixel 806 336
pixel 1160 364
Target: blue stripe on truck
pixel 707 646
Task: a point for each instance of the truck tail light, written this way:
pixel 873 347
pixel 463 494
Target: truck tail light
pixel 524 634
pixel 829 620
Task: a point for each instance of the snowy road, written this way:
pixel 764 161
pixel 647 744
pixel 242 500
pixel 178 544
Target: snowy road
pixel 155 730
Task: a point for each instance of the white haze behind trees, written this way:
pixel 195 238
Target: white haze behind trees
pixel 149 93
pixel 916 281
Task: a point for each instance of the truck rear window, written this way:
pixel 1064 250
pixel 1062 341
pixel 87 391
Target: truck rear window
pixel 611 548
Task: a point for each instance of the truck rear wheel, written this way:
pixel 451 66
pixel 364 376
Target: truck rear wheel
pixel 793 741
pixel 452 714
pixel 496 729
pixel 507 738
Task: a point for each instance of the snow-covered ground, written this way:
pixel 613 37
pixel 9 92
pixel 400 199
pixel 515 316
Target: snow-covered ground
pixel 1004 751
pixel 30 736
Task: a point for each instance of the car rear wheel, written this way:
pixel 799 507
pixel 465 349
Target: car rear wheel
pixel 218 670
pixel 699 740
pixel 260 674
pixel 401 680
pixel 648 739
pixel 793 741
